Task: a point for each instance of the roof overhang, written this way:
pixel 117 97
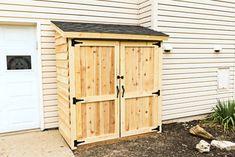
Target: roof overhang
pixel 108 36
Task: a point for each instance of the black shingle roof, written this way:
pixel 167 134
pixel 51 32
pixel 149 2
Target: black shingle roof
pixel 105 28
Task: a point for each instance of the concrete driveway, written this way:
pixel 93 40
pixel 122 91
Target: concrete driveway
pixel 34 144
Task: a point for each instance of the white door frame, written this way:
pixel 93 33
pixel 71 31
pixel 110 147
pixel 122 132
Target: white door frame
pixel 37 24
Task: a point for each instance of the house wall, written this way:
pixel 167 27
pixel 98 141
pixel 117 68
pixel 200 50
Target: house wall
pixel 103 11
pixel 190 70
pixel 145 12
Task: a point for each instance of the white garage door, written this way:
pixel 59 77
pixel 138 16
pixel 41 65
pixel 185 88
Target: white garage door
pixel 19 86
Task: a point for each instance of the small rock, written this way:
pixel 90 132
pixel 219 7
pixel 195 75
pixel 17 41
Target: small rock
pixel 185 125
pixel 227 145
pixel 184 145
pixel 203 147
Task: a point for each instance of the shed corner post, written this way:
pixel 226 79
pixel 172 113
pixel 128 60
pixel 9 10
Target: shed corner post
pixel 73 124
pixel 160 60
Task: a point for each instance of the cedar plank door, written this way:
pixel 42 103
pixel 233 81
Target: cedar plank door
pixel 96 68
pixel 139 106
pixel 113 107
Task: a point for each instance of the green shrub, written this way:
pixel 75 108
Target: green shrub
pixel 224 115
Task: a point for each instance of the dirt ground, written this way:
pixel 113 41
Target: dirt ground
pixel 174 141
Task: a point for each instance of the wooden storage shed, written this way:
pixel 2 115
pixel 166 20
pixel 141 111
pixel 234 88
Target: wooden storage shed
pixel 109 81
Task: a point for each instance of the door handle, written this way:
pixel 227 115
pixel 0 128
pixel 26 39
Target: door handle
pixel 117 91
pixel 123 91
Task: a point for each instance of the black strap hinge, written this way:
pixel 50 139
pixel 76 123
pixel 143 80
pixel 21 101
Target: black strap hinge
pixel 159 44
pixel 76 143
pixel 156 129
pixel 74 42
pixel 75 100
pixel 157 93
pixel 120 77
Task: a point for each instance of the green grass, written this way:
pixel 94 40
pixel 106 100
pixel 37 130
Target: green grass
pixel 224 115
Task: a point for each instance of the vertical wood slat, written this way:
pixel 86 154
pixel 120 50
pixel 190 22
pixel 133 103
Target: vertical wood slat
pixel 157 75
pixel 82 61
pixel 78 92
pixel 124 108
pixel 159 81
pixel 89 90
pixel 97 89
pixel 117 84
pixel 105 79
pixel 112 108
pixel 146 84
pixel 73 109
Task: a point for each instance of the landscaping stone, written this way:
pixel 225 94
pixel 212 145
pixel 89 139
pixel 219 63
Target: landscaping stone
pixel 199 131
pixel 203 147
pixel 223 145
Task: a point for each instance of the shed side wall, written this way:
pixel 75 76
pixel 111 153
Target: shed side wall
pixel 63 86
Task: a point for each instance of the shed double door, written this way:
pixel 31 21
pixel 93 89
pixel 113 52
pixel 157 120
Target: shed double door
pixel 115 86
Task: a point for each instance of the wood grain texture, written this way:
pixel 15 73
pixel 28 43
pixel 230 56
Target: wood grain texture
pixel 102 114
pixel 95 68
pixel 63 87
pixel 140 67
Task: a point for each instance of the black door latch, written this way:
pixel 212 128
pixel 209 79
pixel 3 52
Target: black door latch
pixel 76 143
pixel 156 129
pixel 157 93
pixel 75 100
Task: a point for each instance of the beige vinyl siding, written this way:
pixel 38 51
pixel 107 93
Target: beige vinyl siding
pixel 100 11
pixel 190 70
pixel 145 11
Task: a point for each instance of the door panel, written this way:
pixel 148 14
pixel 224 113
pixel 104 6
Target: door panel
pixel 96 68
pixel 139 66
pixel 139 113
pixel 98 119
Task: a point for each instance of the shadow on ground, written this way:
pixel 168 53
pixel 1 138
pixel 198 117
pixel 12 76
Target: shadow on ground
pixel 175 141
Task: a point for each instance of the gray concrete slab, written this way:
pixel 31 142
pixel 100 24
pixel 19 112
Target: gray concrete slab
pixel 34 144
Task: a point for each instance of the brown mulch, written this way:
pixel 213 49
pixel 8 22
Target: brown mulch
pixel 174 141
